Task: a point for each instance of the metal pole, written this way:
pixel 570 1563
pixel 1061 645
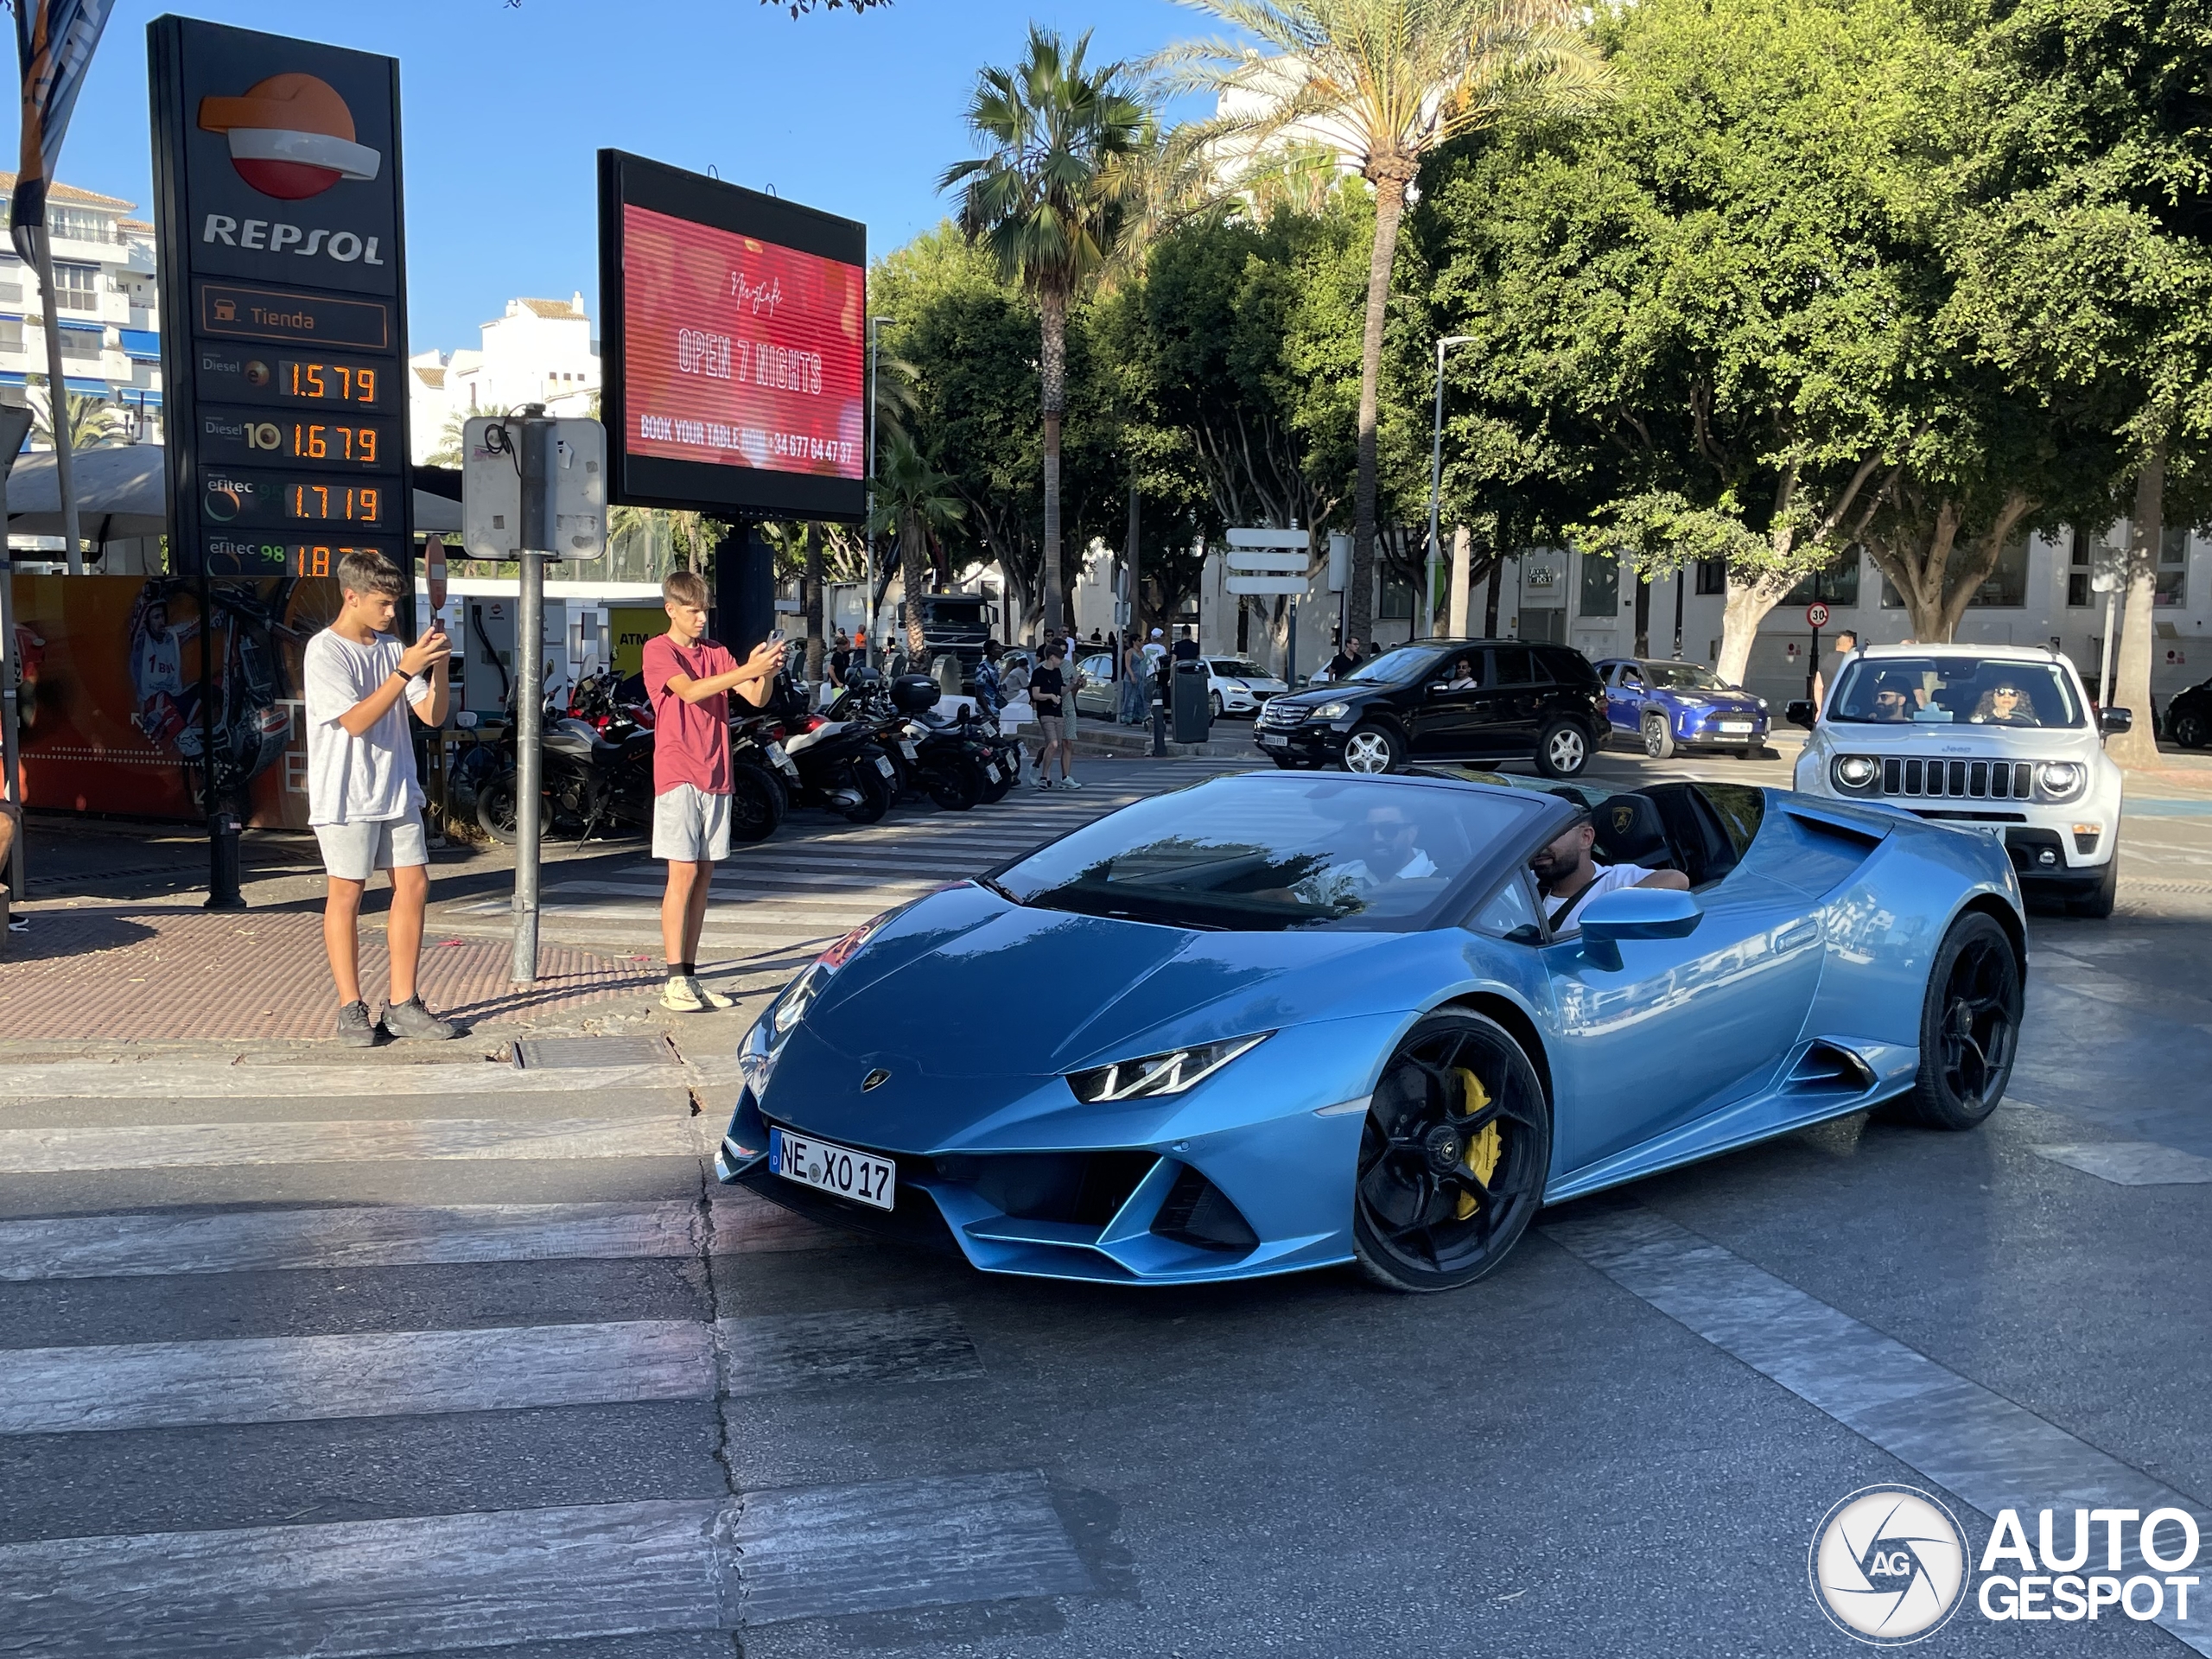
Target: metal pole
pixel 57 405
pixel 1436 482
pixel 535 452
pixel 15 423
pixel 1290 678
pixel 867 530
pixel 2104 652
pixel 1678 613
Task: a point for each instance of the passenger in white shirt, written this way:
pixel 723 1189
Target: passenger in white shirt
pixel 1569 878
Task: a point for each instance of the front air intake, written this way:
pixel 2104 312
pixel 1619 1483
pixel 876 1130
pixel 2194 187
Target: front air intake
pixel 1195 1212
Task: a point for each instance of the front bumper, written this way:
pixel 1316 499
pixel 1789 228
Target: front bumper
pixel 1317 741
pixel 1706 730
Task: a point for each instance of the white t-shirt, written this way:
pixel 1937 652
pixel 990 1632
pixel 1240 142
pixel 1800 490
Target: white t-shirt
pixel 1610 878
pixel 368 779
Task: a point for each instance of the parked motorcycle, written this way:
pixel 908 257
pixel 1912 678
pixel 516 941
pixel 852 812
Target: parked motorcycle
pixel 840 763
pixel 953 764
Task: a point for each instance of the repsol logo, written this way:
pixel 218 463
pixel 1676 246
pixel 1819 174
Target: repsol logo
pixel 277 237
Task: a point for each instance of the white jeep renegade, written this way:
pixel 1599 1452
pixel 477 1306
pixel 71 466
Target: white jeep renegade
pixel 1999 740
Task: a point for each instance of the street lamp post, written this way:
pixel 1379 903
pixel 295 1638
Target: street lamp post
pixel 867 530
pixel 1436 480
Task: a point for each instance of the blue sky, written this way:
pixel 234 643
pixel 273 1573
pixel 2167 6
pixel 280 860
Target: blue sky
pixel 505 101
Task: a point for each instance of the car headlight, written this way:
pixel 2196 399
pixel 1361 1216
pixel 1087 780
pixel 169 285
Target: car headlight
pixel 1856 770
pixel 1331 711
pixel 2060 778
pixel 1158 1075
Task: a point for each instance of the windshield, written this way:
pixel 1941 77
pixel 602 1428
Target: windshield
pixel 1947 690
pixel 1261 853
pixel 1231 668
pixel 1400 665
pixel 1683 676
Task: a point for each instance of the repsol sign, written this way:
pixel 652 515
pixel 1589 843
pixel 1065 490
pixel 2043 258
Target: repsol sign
pixel 277 237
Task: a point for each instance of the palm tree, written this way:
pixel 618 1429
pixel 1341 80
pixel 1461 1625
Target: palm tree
pixel 449 452
pixel 93 422
pixel 915 501
pixel 1384 83
pixel 1051 198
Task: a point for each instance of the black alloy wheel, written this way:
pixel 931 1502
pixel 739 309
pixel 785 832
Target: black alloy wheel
pixel 756 804
pixel 495 810
pixel 1453 1156
pixel 2191 730
pixel 1969 1026
pixel 1009 769
pixel 1562 749
pixel 956 786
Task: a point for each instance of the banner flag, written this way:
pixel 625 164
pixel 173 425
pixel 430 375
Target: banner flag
pixel 54 41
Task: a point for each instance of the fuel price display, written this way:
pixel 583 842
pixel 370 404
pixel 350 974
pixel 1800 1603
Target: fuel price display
pixel 232 497
pixel 231 376
pixel 308 440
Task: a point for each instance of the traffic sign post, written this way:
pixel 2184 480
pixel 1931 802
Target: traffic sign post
pixel 1816 618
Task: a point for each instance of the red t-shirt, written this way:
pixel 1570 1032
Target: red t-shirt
pixel 691 739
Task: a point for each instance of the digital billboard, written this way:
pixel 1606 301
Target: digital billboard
pixel 732 346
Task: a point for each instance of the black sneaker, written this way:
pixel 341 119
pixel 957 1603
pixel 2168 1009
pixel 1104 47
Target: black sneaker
pixel 411 1020
pixel 354 1029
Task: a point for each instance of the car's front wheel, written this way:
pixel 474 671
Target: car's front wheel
pixel 1453 1156
pixel 1969 1026
pixel 1214 697
pixel 1371 749
pixel 1562 750
pixel 2097 903
pixel 2190 731
pixel 1658 741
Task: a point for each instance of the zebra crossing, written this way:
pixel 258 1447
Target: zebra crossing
pixel 261 1396
pixel 818 877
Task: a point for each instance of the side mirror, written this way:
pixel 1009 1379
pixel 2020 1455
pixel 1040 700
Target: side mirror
pixel 1801 712
pixel 2116 720
pixel 1438 687
pixel 1637 913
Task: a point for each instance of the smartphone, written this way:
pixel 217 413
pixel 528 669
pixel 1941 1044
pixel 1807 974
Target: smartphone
pixel 776 637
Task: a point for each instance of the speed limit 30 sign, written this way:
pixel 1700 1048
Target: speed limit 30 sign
pixel 1816 615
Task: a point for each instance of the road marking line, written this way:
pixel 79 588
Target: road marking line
pixel 341 1140
pixel 2132 1163
pixel 178 1078
pixel 777 1353
pixel 109 1246
pixel 888 1544
pixel 1992 1453
pixel 419 1584
pixel 423 1584
pixel 508 1368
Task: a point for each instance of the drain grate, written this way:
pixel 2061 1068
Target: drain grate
pixel 544 1053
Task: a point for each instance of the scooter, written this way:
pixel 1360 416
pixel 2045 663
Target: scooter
pixel 953 763
pixel 840 764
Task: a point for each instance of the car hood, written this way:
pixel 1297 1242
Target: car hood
pixel 1729 700
pixel 1958 739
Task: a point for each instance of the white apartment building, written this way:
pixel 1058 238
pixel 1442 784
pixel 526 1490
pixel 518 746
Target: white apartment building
pixel 107 311
pixel 537 352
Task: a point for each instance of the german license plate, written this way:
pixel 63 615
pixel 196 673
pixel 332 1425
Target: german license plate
pixel 1267 742
pixel 859 1176
pixel 883 765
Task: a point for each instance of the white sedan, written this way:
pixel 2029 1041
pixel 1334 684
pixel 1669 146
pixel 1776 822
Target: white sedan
pixel 1239 687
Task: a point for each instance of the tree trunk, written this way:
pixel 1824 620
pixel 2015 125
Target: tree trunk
pixel 812 599
pixel 1455 620
pixel 1490 602
pixel 1643 614
pixel 913 563
pixel 1390 177
pixel 1052 365
pixel 1748 603
pixel 2130 686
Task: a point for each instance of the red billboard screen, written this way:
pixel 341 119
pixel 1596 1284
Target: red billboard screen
pixel 735 362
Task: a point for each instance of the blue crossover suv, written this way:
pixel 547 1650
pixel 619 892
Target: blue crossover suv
pixel 1669 706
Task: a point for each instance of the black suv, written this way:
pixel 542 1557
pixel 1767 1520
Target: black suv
pixel 1444 700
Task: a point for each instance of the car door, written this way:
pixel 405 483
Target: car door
pixel 1093 687
pixel 1624 699
pixel 1515 708
pixel 1683 1027
pixel 1443 721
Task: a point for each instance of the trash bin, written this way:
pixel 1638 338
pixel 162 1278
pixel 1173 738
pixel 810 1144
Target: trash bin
pixel 1193 709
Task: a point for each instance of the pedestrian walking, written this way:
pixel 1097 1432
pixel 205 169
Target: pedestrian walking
pixel 1050 697
pixel 688 679
pixel 990 695
pixel 364 802
pixel 1133 684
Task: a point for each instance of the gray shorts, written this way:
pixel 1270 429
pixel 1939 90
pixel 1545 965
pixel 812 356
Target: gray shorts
pixel 353 852
pixel 1050 725
pixel 689 825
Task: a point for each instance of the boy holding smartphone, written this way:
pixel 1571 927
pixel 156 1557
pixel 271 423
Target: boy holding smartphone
pixel 364 802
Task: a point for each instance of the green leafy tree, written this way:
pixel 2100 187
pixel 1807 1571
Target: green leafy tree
pixel 913 501
pixel 1051 199
pixel 1385 83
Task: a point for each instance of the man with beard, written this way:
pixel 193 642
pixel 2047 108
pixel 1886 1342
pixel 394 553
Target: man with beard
pixel 1569 878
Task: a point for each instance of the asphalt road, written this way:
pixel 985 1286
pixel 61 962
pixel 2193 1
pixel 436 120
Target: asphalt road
pixel 442 1355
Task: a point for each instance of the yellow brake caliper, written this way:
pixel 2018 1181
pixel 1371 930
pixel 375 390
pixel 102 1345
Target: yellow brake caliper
pixel 1485 1149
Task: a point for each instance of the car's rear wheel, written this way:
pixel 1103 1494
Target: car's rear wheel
pixel 1453 1156
pixel 1969 1026
pixel 2191 730
pixel 1658 741
pixel 1371 749
pixel 2097 903
pixel 1562 749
